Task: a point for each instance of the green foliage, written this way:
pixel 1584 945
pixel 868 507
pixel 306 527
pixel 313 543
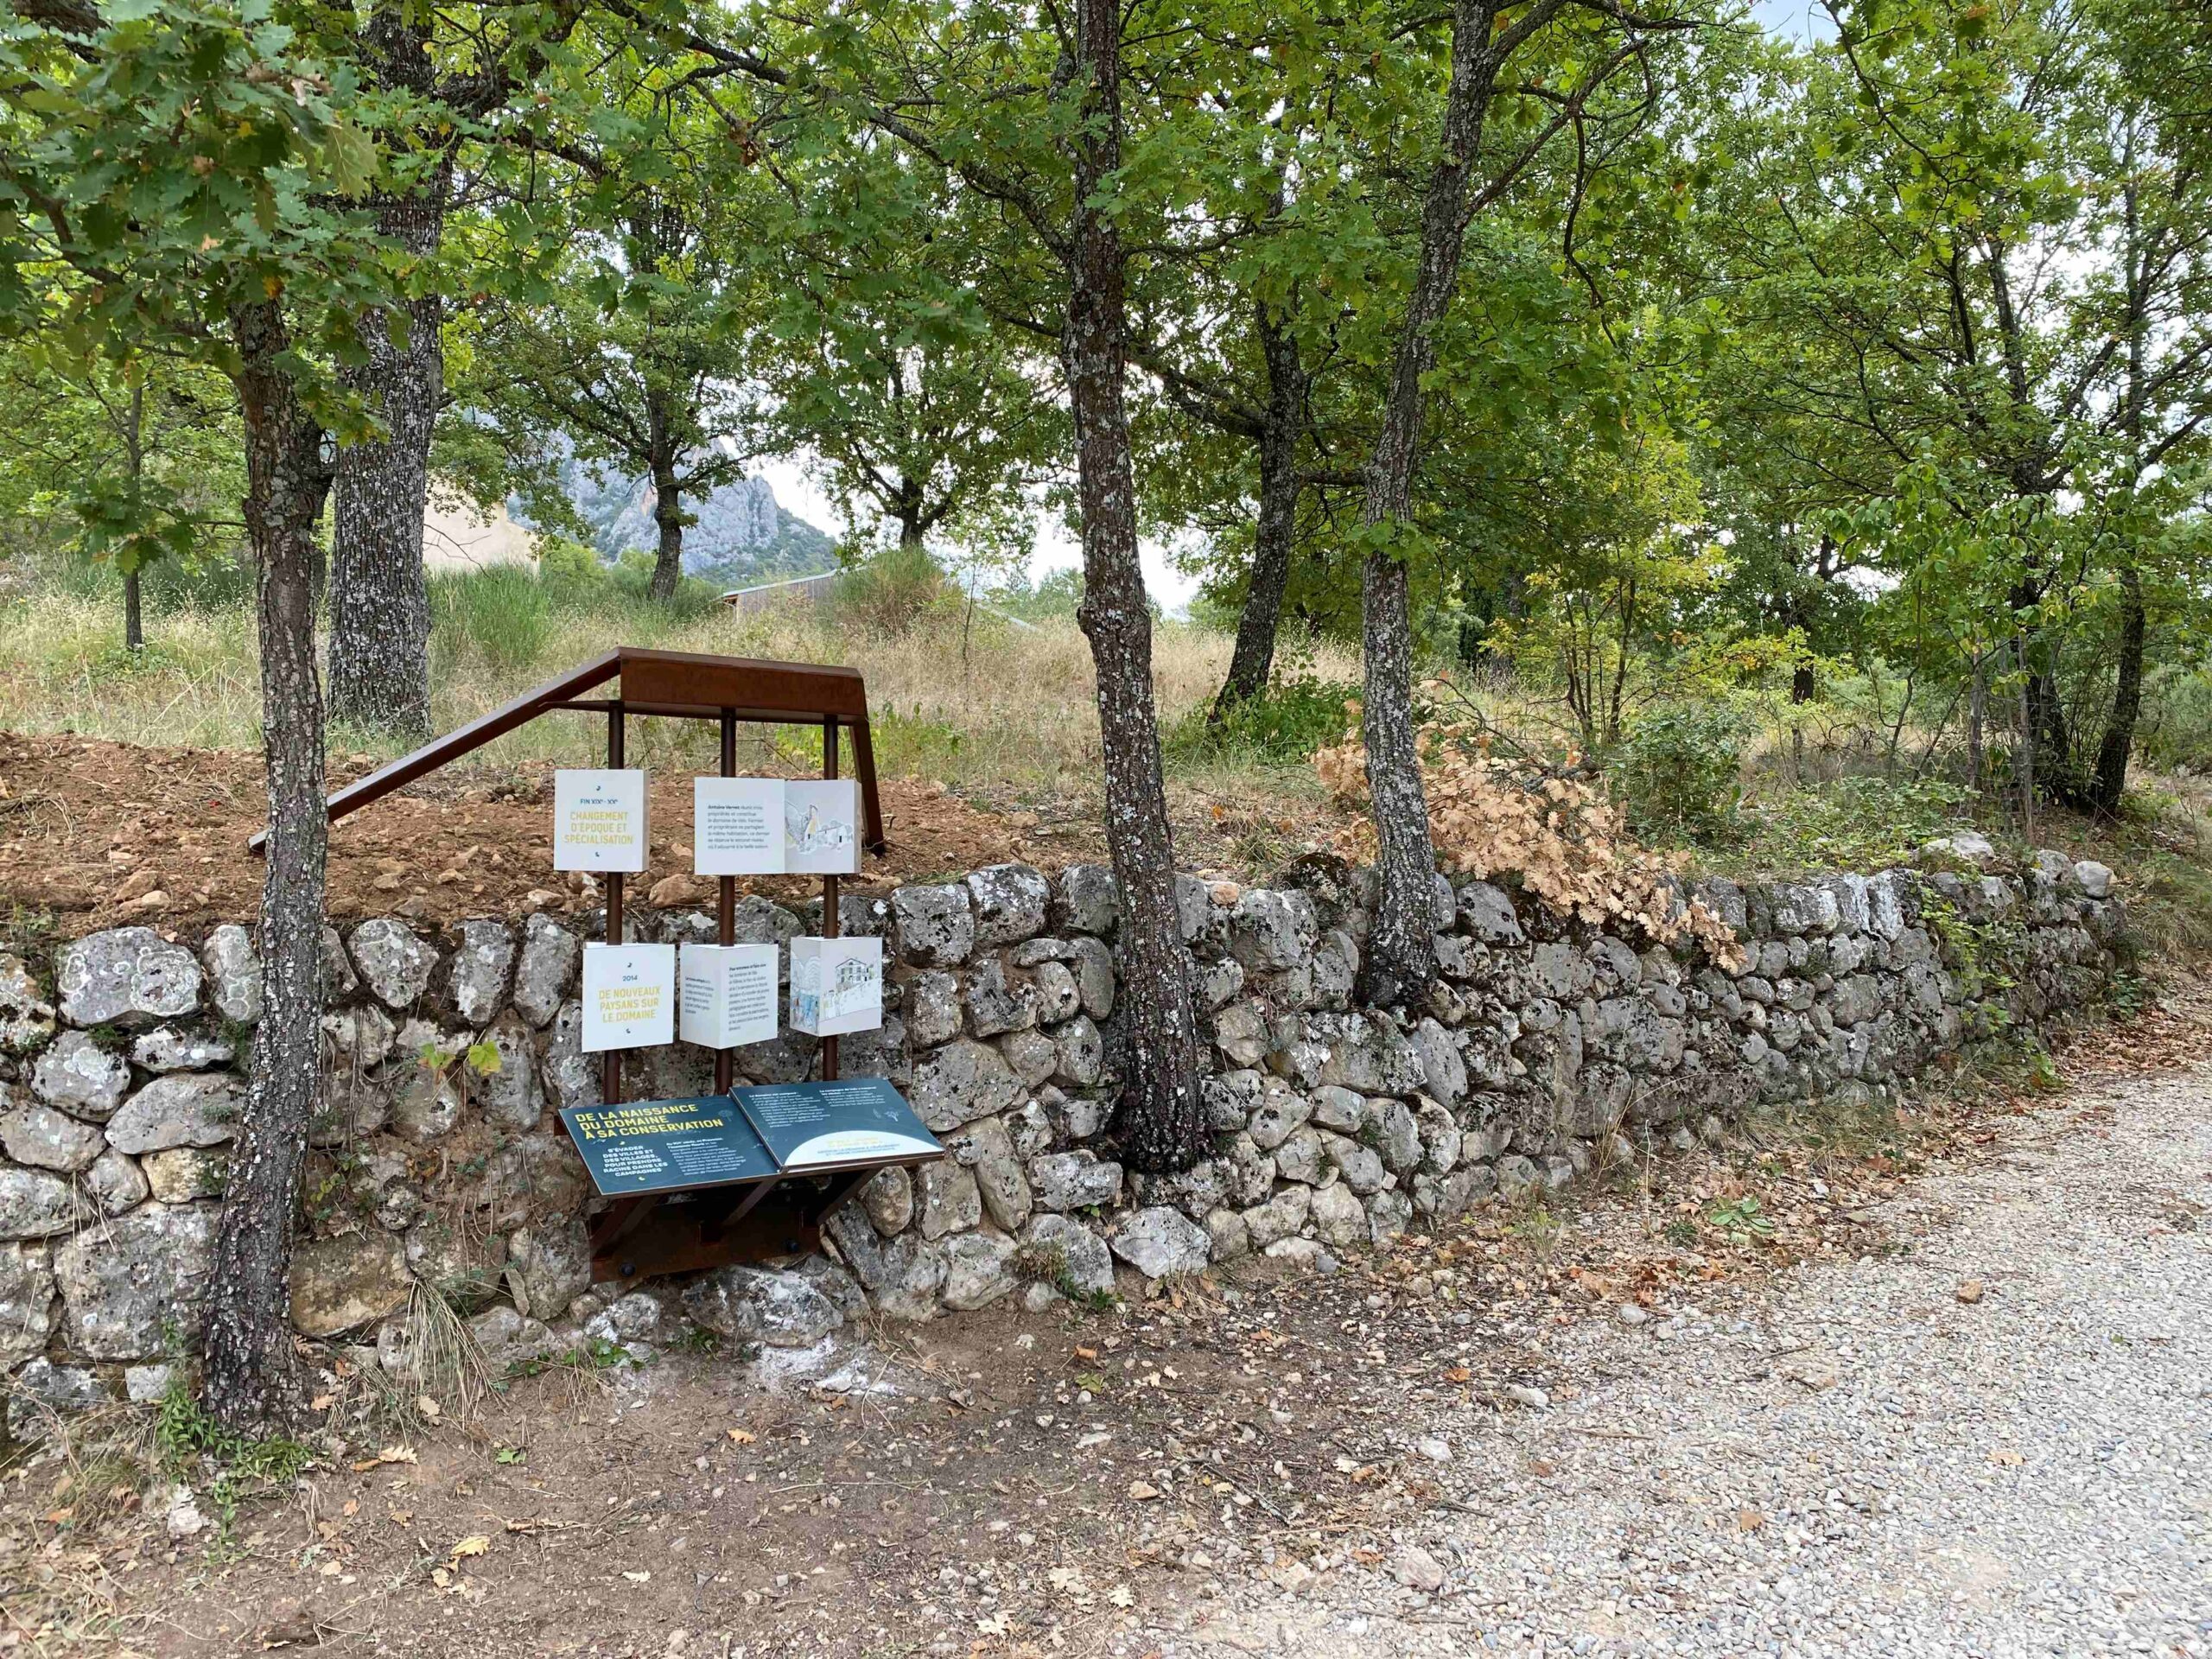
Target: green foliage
pixel 2176 730
pixel 1986 954
pixel 885 593
pixel 231 1466
pixel 1860 821
pixel 1740 1221
pixel 503 612
pixel 1281 726
pixel 1678 773
pixel 2170 910
pixel 1053 597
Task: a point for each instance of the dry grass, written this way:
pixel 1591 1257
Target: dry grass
pixel 989 709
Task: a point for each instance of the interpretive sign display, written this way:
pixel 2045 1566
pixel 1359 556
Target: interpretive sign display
pixel 659 1146
pixel 830 1125
pixel 728 994
pixel 822 826
pixel 599 821
pixel 737 826
pixel 629 997
pixel 836 985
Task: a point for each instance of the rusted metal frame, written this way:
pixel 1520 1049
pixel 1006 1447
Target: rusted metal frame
pixel 483 729
pixel 829 892
pixel 726 899
pixel 864 769
pixel 777 693
pixel 842 1190
pixel 610 1081
pixel 810 690
pixel 619 1219
pixel 714 1230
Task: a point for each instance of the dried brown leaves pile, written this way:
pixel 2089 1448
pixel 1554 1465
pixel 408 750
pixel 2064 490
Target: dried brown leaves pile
pixel 1565 842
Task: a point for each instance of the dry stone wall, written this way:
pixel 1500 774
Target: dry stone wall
pixel 1544 1049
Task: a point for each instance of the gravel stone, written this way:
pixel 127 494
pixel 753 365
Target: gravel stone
pixel 936 928
pixel 1162 1241
pixel 26 1018
pixel 1907 1474
pixel 185 1110
pixel 480 970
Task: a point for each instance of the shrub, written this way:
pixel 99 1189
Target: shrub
pixel 885 596
pixel 631 579
pixel 501 610
pixel 2176 726
pixel 1678 770
pixel 1859 822
pixel 1284 725
pixel 1558 834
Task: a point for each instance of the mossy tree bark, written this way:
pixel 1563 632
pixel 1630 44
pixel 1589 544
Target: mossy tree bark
pixel 1162 1119
pixel 1275 532
pixel 249 1357
pixel 1401 950
pixel 379 591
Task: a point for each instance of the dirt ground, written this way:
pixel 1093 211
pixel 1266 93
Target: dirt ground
pixel 1003 1484
pixel 99 834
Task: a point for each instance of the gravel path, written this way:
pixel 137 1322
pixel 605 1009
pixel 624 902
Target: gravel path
pixel 1863 1460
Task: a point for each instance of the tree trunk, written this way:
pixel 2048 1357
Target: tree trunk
pixel 2109 782
pixel 249 1357
pixel 668 520
pixel 134 454
pixel 1162 1119
pixel 2025 752
pixel 1252 660
pixel 379 595
pixel 1977 716
pixel 668 495
pixel 1401 948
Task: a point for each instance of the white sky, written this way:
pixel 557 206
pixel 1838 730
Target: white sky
pixel 1057 547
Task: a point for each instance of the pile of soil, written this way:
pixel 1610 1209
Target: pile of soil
pixel 98 834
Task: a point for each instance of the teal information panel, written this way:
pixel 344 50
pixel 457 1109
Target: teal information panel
pixel 826 1125
pixel 663 1146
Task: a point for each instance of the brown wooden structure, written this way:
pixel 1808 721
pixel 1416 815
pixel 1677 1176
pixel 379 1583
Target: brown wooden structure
pixel 649 1234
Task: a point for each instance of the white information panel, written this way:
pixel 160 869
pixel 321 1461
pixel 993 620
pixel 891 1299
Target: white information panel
pixel 737 826
pixel 836 985
pixel 728 994
pixel 822 820
pixel 629 997
pixel 599 821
